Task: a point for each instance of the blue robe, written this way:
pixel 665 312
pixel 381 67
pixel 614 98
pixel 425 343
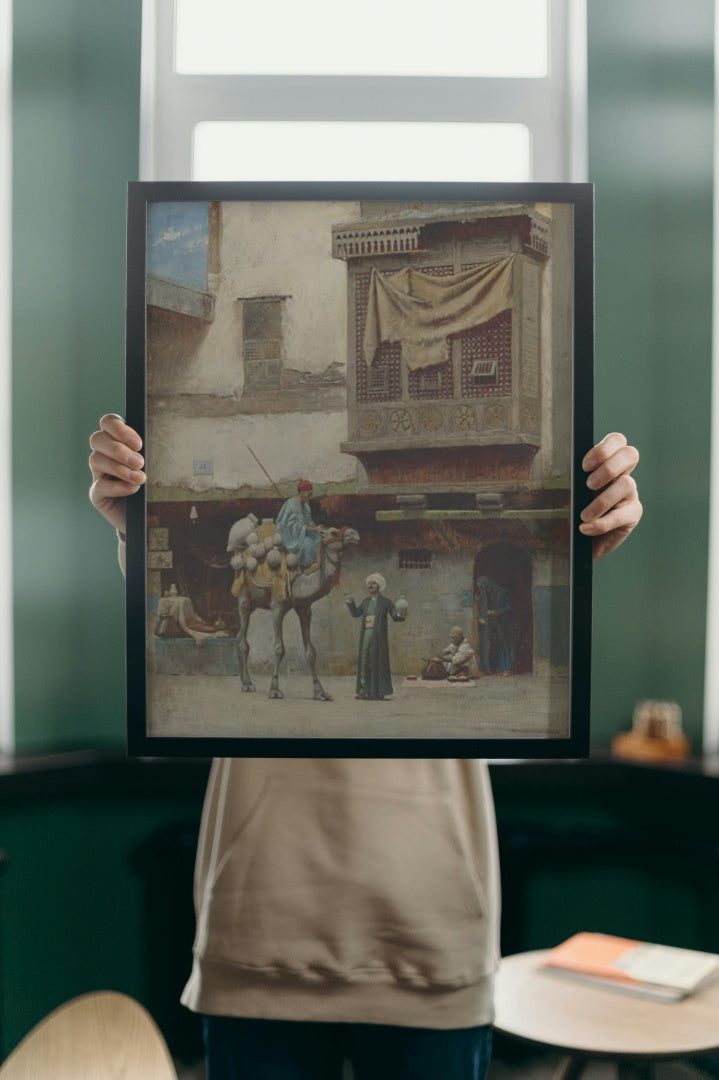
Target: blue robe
pixel 294 524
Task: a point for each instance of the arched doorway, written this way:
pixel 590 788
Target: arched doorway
pixel 507 570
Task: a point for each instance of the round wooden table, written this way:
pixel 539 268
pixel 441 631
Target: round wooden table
pixel 586 1022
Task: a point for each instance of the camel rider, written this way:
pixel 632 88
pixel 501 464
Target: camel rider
pixel 294 523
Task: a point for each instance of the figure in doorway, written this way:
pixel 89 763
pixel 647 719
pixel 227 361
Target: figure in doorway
pixel 494 628
pixel 294 523
pixel 374 682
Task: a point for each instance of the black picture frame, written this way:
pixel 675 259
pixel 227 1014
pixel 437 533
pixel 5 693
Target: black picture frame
pixel 356 336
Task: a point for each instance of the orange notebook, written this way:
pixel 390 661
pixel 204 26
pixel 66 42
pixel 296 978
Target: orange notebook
pixel 662 972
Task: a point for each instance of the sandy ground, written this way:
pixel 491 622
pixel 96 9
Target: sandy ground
pixel 209 706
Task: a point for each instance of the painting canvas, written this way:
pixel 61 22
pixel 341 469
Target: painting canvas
pixel 363 409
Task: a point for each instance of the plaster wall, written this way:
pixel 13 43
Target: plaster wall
pixel 265 251
pixel 300 444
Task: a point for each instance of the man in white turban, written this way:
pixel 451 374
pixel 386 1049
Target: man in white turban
pixel 374 681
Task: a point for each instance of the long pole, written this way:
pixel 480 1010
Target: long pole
pixel 274 485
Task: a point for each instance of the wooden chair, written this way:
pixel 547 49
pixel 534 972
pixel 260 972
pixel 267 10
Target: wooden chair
pixel 99 1036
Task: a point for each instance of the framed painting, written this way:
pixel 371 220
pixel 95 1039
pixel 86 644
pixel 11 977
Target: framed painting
pixel 364 409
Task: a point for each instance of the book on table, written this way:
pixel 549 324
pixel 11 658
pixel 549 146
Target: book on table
pixel 661 972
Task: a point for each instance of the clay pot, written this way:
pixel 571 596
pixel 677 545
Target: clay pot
pixel 240 532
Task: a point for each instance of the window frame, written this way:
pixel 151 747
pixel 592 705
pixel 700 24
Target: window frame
pixel 553 108
pixel 488 377
pixel 411 559
pixel 249 364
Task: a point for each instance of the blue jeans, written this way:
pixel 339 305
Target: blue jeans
pixel 239 1049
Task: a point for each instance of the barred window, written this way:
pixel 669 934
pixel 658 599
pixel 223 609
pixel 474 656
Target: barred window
pixel 487 358
pixel 262 342
pixel 379 382
pixel 484 373
pixel 432 382
pixel 430 379
pixel 415 559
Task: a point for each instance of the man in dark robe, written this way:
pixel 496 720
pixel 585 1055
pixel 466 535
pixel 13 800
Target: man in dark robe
pixel 374 682
pixel 494 628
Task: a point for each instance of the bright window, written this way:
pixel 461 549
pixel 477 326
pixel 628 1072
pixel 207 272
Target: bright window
pixel 478 90
pixel 507 39
pixel 302 150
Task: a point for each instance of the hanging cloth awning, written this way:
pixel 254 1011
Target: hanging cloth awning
pixel 421 311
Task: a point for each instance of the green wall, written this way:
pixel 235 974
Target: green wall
pixel 75 900
pixel 75 146
pixel 76 89
pixel 650 156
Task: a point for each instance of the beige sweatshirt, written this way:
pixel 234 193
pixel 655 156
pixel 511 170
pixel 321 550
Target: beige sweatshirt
pixel 347 890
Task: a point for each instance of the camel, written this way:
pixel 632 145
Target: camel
pixel 304 589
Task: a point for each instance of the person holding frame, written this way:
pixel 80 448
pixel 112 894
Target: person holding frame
pixel 348 909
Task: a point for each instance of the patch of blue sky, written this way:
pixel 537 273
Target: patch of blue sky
pixel 177 242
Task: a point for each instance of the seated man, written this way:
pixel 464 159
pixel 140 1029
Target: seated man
pixel 458 656
pixel 455 660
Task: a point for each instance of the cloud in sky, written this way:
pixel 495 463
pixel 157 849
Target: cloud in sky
pixel 169 236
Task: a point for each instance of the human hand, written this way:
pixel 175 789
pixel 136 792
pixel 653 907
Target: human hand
pixel 616 510
pixel 116 466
